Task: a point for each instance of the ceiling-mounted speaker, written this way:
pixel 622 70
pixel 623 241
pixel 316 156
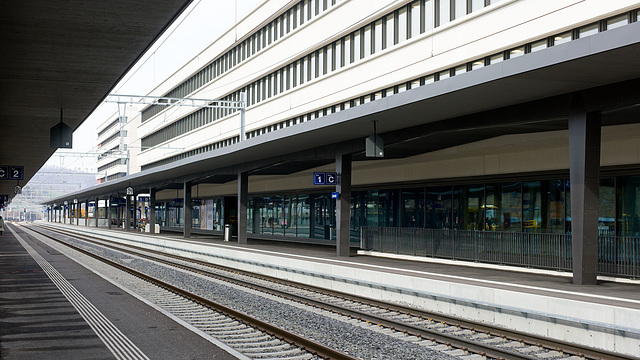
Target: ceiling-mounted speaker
pixel 374 147
pixel 60 136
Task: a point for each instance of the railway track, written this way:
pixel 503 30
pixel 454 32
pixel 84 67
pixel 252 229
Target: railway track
pixel 455 337
pixel 248 335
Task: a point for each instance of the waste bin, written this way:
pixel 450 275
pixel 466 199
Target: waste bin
pixel 227 232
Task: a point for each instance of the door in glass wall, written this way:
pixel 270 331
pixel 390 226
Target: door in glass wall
pixel 531 206
pixel 354 222
pixel 303 214
pixel 371 204
pixel 323 216
pixel 607 211
pixel 493 207
pixel 279 216
pixel 387 208
pixel 266 215
pixel 291 216
pixel 174 214
pixel 556 206
pixel 439 201
pixel 195 216
pixel 511 207
pixel 251 215
pixel 471 206
pixel 628 195
pixel 412 207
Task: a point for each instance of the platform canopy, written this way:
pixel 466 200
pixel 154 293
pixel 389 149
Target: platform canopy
pixel 65 55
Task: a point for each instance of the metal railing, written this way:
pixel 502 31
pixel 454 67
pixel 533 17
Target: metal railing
pixel 618 256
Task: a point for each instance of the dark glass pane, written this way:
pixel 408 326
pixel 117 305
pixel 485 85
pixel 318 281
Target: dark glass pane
pixel 531 206
pixel 388 211
pixel 303 211
pixel 279 215
pixel 628 205
pixel 438 208
pixel 471 200
pixel 607 212
pixel 412 207
pixel 556 205
pixel 371 203
pixel 511 210
pixel 493 207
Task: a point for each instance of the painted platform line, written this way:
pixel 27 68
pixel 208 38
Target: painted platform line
pixel 119 345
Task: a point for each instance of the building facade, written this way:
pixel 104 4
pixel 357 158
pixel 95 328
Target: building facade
pixel 497 116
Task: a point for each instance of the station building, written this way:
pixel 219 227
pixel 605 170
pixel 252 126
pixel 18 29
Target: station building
pixel 488 130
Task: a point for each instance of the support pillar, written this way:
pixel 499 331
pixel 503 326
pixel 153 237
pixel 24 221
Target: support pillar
pixel 86 213
pixel 127 213
pixel 152 211
pixel 107 210
pixel 243 198
pixel 135 211
pixel 584 167
pixel 343 205
pixel 186 206
pixel 96 215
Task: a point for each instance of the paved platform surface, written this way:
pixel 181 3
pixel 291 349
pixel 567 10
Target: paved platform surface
pixel 38 322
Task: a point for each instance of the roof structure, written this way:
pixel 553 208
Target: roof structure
pixel 66 55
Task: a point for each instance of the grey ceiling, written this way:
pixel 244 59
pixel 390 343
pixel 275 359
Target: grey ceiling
pixel 65 54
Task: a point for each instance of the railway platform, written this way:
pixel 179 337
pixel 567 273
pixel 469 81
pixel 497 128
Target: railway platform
pixel 51 307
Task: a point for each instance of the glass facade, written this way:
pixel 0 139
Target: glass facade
pixel 531 206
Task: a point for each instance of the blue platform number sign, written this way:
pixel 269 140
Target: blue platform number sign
pixel 332 178
pixel 325 178
pixel 4 172
pixel 335 195
pixel 319 178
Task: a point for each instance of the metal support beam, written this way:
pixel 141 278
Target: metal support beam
pixel 243 198
pixel 96 213
pixel 187 209
pixel 127 213
pixel 108 211
pixel 584 163
pixel 343 205
pixel 152 211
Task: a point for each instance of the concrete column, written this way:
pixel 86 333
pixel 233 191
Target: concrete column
pixel 107 210
pixel 152 211
pixel 86 213
pixel 135 211
pixel 186 206
pixel 243 198
pixel 584 163
pixel 127 213
pixel 95 211
pixel 343 205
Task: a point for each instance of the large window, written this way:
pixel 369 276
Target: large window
pixel 439 208
pixel 628 208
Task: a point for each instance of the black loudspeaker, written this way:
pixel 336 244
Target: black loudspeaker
pixel 61 136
